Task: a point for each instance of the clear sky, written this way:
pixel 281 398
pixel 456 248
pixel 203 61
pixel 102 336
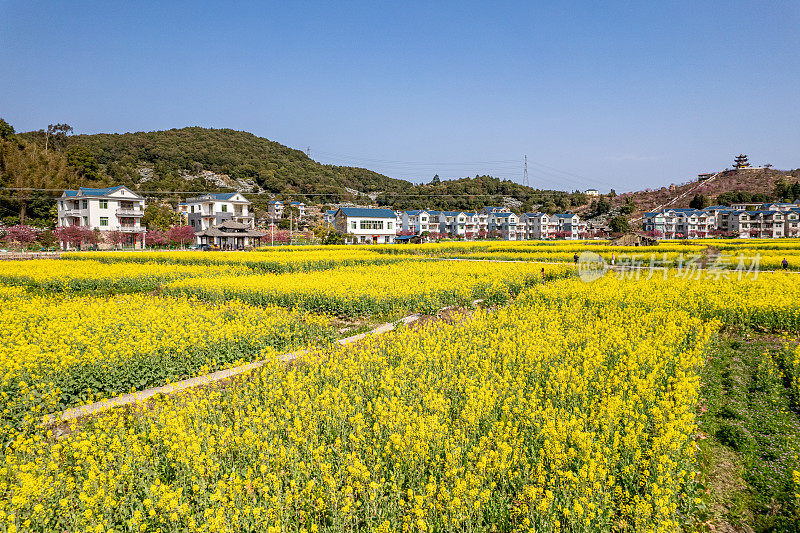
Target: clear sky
pixel 597 94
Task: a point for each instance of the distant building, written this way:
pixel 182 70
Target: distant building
pixel 744 220
pixel 329 217
pixel 704 176
pixel 275 209
pixel 364 225
pixel 300 209
pixel 740 162
pixel 591 192
pixel 503 224
pixel 109 209
pixel 417 221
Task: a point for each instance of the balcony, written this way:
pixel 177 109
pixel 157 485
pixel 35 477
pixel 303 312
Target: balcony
pixel 73 213
pixel 130 213
pixel 131 229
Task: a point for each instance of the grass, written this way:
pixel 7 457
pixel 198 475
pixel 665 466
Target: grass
pixel 749 417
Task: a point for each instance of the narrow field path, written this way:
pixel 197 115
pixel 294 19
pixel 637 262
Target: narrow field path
pixel 207 379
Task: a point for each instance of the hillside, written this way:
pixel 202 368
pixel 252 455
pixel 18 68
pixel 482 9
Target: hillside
pixel 192 159
pixel 746 185
pixel 756 185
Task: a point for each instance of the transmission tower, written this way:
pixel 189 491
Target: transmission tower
pixel 525 173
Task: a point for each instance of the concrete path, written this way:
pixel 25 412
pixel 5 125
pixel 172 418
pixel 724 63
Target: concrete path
pixel 135 397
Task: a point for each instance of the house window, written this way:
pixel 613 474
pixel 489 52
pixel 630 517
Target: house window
pixel 388 225
pixel 62 204
pixel 85 220
pixel 84 204
pixel 103 220
pixel 372 224
pixel 353 225
pixel 103 204
pixel 192 222
pixel 192 209
pixel 224 208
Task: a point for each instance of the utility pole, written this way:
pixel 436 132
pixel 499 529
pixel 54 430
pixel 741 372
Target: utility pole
pixel 525 173
pixel 271 231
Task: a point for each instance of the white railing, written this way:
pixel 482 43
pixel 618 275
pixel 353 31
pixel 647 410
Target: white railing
pixel 130 212
pixel 131 229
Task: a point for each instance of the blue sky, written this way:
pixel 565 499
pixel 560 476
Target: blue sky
pixel 597 94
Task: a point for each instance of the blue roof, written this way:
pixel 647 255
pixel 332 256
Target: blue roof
pixel 502 215
pixel 534 214
pixel 564 215
pixel 367 212
pixel 297 203
pixel 330 211
pixel 404 237
pixel 451 213
pixel 94 192
pixel 275 202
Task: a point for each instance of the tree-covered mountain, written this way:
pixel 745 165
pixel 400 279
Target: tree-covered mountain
pixel 158 163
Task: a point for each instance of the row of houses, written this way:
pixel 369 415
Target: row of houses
pixel 226 219
pixel 762 221
pixel 386 225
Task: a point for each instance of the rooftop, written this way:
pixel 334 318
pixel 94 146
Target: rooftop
pixel 367 212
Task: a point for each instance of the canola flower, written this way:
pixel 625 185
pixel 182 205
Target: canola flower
pixel 546 415
pixel 48 276
pixel 572 409
pixel 282 259
pixel 57 352
pixel 375 290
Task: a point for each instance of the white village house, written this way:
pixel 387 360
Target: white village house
pixel 210 209
pixel 365 225
pixel 221 219
pixel 110 209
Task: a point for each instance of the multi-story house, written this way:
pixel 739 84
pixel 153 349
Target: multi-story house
pixel 299 208
pixel 453 223
pixel 275 209
pixel 329 216
pixel 472 225
pixel 792 228
pixel 110 209
pixel 417 221
pixel 364 225
pixel 568 225
pixel 693 223
pixel 503 224
pixel 766 224
pixel 664 224
pixel 211 209
pixel 537 226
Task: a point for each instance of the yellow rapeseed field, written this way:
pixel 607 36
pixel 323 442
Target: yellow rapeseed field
pixel 571 408
pixel 283 259
pixel 61 351
pixel 543 415
pixel 375 290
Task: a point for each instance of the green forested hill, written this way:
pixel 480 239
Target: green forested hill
pixel 272 166
pixel 177 160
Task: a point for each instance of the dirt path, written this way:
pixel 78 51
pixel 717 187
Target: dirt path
pixel 75 413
